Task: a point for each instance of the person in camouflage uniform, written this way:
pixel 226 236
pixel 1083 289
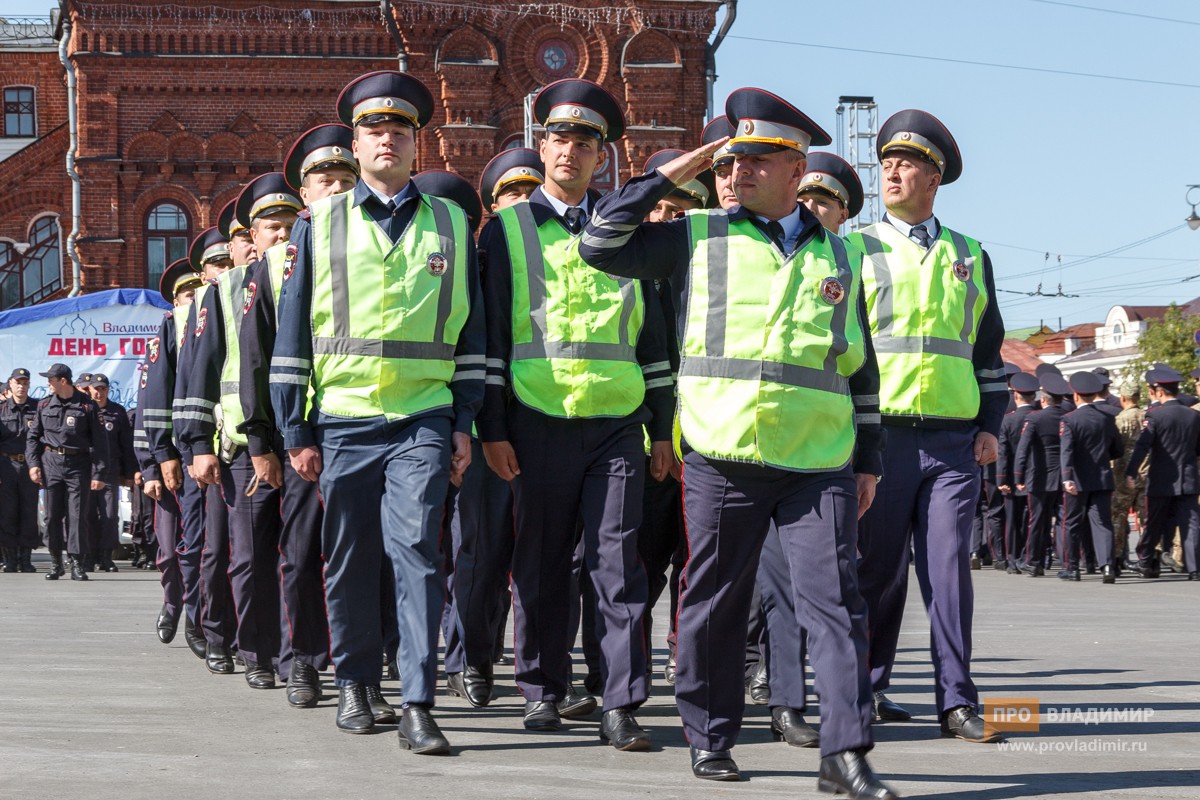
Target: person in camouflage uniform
pixel 1129 422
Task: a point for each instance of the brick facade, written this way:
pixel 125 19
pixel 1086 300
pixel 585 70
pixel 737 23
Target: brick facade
pixel 185 103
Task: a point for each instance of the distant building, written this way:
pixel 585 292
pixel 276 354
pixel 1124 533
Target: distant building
pixel 1111 345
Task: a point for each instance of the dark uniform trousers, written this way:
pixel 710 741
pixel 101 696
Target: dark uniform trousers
pixel 1163 515
pixel 18 504
pixel 992 522
pixel 1016 527
pixel 729 508
pixel 104 520
pixel 217 607
pixel 306 635
pixel 178 555
pixel 384 486
pixel 479 521
pixel 1088 515
pixel 141 523
pixel 67 479
pixel 660 543
pixel 929 493
pixel 572 470
pixel 785 641
pixel 1044 508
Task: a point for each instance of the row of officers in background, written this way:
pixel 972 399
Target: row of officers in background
pixel 362 426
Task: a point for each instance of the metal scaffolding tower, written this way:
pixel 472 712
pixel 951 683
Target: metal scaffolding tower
pixel 858 125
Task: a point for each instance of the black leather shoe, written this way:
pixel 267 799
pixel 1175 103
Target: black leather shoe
pixel 593 683
pixel 669 669
pixel 474 685
pixel 1000 565
pixel 963 723
pixel 542 715
pixel 354 715
pixel 77 573
pixel 419 733
pixel 25 559
pixel 976 563
pixel 1109 574
pixel 619 728
pixel 56 567
pixel 849 773
pixel 884 709
pixel 381 710
pixel 1192 576
pixel 1033 570
pixel 1069 575
pixel 1091 569
pixel 303 686
pixel 390 671
pixel 714 765
pixel 788 725
pixel 167 624
pixel 1148 569
pixel 576 704
pixel 259 676
pixel 218 660
pixel 194 637
pixel 758 686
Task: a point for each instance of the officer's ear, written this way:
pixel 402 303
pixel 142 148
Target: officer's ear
pixel 843 216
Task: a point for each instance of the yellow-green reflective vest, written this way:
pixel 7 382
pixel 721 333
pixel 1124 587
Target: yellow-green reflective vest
pixel 769 346
pixel 231 299
pixel 386 317
pixel 924 308
pixel 575 329
pixel 276 260
pixel 180 317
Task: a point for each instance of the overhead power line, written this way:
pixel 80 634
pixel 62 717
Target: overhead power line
pixel 1116 11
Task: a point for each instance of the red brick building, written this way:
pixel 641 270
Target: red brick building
pixel 178 105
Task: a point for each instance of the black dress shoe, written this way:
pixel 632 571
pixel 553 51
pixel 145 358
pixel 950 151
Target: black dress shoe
pixel 107 565
pixel 963 723
pixel 381 710
pixel 354 715
pixel 167 624
pixel 1000 565
pixel 619 728
pixel 259 676
pixel 1148 569
pixel 303 686
pixel 788 725
pixel 1033 570
pixel 390 671
pixel 419 733
pixel 849 773
pixel 542 715
pixel 669 669
pixel 194 638
pixel 888 711
pixel 758 686
pixel 576 704
pixel 77 573
pixel 976 563
pixel 1194 576
pixel 714 765
pixel 1069 575
pixel 474 685
pixel 1109 574
pixel 218 660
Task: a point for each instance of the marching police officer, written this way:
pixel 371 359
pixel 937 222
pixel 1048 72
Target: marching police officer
pixel 1024 394
pixel 1171 441
pixel 394 394
pixel 1089 443
pixel 1038 470
pixel 777 425
pixel 18 493
pixel 104 519
pixel 67 454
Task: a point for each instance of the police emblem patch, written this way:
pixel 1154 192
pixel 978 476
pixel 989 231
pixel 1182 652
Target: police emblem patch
pixel 436 264
pixel 152 350
pixel 289 261
pixel 832 291
pixel 70 422
pixel 108 426
pixel 962 270
pixel 251 290
pixel 201 321
pixel 143 380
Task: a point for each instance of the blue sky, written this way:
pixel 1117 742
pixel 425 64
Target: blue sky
pixel 1054 163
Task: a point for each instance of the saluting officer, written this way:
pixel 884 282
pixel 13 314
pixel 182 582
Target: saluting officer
pixel 937 329
pixel 104 519
pixel 394 397
pixel 778 393
pixel 1089 443
pixel 571 354
pixel 1171 440
pixel 1016 501
pixel 1038 469
pixel 18 493
pixel 67 454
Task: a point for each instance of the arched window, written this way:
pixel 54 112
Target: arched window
pixel 33 271
pixel 168 231
pixel 10 277
pixel 19 114
pixel 1118 334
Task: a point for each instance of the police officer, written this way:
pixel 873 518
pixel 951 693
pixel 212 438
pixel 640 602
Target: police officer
pixel 570 355
pixel 141 507
pixel 122 466
pixel 510 177
pixel 1171 441
pixel 394 395
pixel 1016 501
pixel 1037 469
pixel 67 454
pixel 777 426
pixel 18 494
pixel 1089 442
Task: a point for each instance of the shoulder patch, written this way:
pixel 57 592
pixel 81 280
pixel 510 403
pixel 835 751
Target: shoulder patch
pixel 201 321
pixel 250 290
pixel 289 260
pixel 152 351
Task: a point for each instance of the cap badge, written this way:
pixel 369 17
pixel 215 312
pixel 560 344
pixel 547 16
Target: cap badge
pixel 281 197
pixel 576 113
pixel 388 103
pixel 818 178
pixel 436 264
pixel 337 151
pixel 748 127
pixel 523 171
pixel 906 136
pixel 832 291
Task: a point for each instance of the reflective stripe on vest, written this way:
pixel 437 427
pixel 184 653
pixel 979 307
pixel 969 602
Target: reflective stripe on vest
pixel 924 307
pixel 769 347
pixel 386 317
pixel 575 329
pixel 276 260
pixel 180 317
pixel 232 302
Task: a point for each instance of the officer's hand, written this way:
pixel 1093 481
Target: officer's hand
pixel 268 469
pixel 172 475
pixel 662 460
pixel 137 479
pixel 1020 487
pixel 153 490
pixel 1005 489
pixel 689 165
pixel 1070 488
pixel 866 492
pixel 460 459
pixel 1129 483
pixel 306 461
pixel 987 447
pixel 206 470
pixel 501 457
pixel 35 475
pixel 97 485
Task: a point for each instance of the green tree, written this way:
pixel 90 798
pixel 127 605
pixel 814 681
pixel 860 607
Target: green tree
pixel 1171 341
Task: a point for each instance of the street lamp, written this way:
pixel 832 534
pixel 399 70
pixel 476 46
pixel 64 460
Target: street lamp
pixel 1193 219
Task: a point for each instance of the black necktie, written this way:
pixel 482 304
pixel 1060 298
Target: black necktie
pixel 775 231
pixel 574 218
pixel 920 235
pixel 389 225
